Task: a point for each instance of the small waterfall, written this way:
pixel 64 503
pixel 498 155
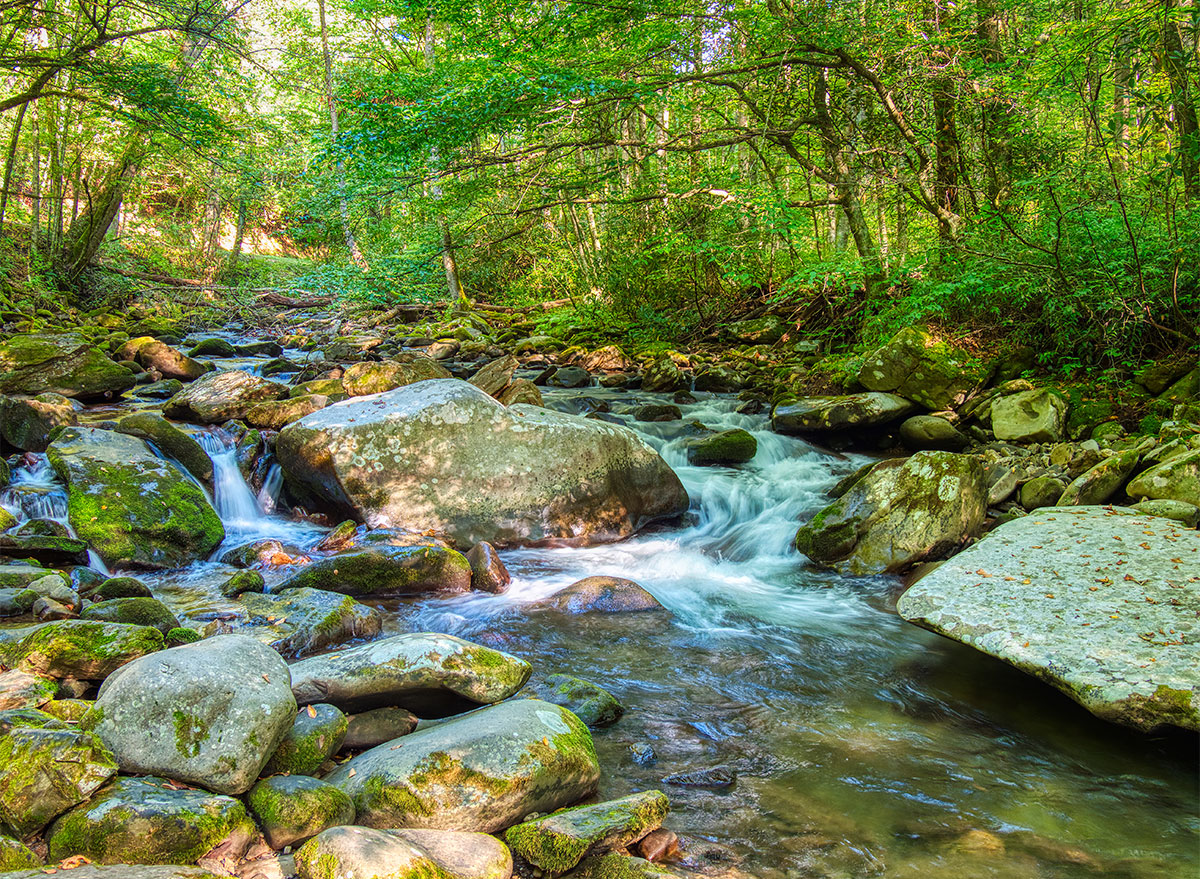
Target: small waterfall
pixel 268 496
pixel 234 501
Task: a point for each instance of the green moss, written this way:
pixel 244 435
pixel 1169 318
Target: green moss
pixel 181 635
pixel 552 852
pixel 396 798
pixel 191 732
pixel 83 648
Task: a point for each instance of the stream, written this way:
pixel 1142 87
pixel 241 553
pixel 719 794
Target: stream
pixel 857 744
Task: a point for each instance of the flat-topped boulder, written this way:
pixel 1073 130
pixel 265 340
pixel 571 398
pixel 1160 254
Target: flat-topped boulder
pixel 64 364
pixel 442 455
pixel 220 396
pixel 1099 602
pixel 818 415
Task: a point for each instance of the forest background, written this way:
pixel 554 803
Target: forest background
pixel 1007 173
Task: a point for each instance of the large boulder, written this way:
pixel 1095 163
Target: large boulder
pixel 1176 479
pixel 131 506
pixel 839 413
pixel 386 570
pixel 925 370
pixel 27 422
pixel 302 621
pixel 362 379
pixel 428 673
pixel 664 375
pixel 161 357
pixel 88 650
pixel 445 456
pixel 221 396
pixel 211 713
pixel 151 821
pixel 293 808
pixel 483 771
pixel 1101 482
pixel 61 364
pixel 1095 601
pixel 170 440
pixel 903 511
pixel 1036 416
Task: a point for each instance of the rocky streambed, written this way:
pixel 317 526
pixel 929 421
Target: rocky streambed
pixel 531 609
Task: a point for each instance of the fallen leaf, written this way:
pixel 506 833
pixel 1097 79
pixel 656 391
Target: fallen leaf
pixel 267 679
pixel 312 712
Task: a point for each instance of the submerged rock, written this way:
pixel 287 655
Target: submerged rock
pixel 222 396
pixel 293 808
pixel 443 455
pixel 424 672
pixel 483 771
pixel 151 821
pixel 386 570
pixel 61 364
pixel 211 713
pixel 1094 601
pixel 131 506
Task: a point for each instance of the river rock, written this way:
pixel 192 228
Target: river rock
pixel 44 771
pixel 276 414
pixel 1095 601
pixel 170 440
pixel 570 377
pixel 132 507
pixel 134 611
pixel 293 808
pixel 558 842
pixel 15 855
pixel 1185 513
pixel 1176 479
pixel 657 412
pixel 213 347
pixel 83 649
pixel 43 549
pixel 1036 416
pixel 664 375
pixel 386 570
pixel 590 702
pixel 159 390
pixel 300 621
pixel 61 364
pixel 222 396
pixel 151 821
pixel 925 370
pixel 359 851
pixel 167 361
pixel 316 735
pixel 121 871
pixel 618 866
pixel 1041 491
pixel 211 713
pixel 494 377
pixel 722 449
pixel 520 390
pixel 20 689
pixel 27 422
pixel 362 379
pixel 443 455
pixel 839 413
pixel 424 672
pixel 379 725
pixel 242 582
pixel 931 433
pixel 905 510
pixel 483 771
pixel 488 573
pixel 601 594
pixel 462 854
pixel 1101 482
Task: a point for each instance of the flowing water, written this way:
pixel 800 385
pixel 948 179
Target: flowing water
pixel 858 744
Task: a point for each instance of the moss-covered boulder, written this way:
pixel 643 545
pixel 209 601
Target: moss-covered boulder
pixel 1180 511
pixel 331 388
pixel 372 854
pixel 88 650
pixel 151 821
pixel 363 379
pixel 664 375
pixel 558 842
pixel 242 582
pixel 316 735
pixel 298 622
pixel 903 511
pixel 428 673
pixel 1041 491
pixel 222 396
pixel 16 855
pixel 386 570
pixel 131 506
pixel 923 369
pixel 211 713
pixel 600 594
pixel 121 587
pixel 1176 479
pixel 276 414
pixel 443 455
pixel 135 611
pixel 45 770
pixel 590 702
pixel 1098 484
pixel 213 346
pixel 293 808
pixel 44 549
pixel 26 423
pixel 1036 416
pixel 170 440
pixel 618 866
pixel 847 412
pixel 722 449
pixel 61 364
pixel 169 362
pixel 484 771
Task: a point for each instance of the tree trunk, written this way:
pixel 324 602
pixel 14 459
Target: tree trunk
pixel 946 161
pixel 356 256
pixel 9 161
pixel 995 117
pixel 1182 102
pixel 83 239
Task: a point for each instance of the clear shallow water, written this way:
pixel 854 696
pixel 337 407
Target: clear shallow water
pixel 863 746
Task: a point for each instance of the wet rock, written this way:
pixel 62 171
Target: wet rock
pixel 521 390
pixel 1185 513
pixel 168 362
pixel 1041 491
pixel 61 364
pixel 211 713
pixel 570 377
pixel 386 570
pixel 131 506
pixel 243 582
pixel 1176 479
pixel 58 551
pixel 358 456
pixel 301 621
pixel 362 379
pixel 20 689
pixel 1036 416
pixel 931 433
pixel 170 440
pixel 920 368
pixel 658 844
pixel 1101 482
pixel 719 380
pixel 425 672
pixel 664 375
pixel 316 735
pixel 260 552
pixel 151 821
pixel 276 414
pixel 601 594
pixel 19 575
pixel 291 809
pixel 488 573
pixel 27 422
pixel 727 447
pixel 379 725
pixel 134 611
pixel 495 376
pixel 159 390
pixel 213 347
pixel 839 413
pixel 1084 598
pixel 591 703
pixel 45 771
pixel 657 412
pixel 84 649
pixel 902 512
pixel 558 842
pixel 483 771
pixel 610 358
pixel 222 396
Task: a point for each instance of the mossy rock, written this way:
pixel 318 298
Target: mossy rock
pixel 123 587
pixel 386 570
pixel 151 821
pixel 20 689
pixel 361 379
pixel 617 866
pixel 182 635
pixel 88 650
pixel 359 851
pixel 242 582
pixel 727 447
pixel 135 611
pixel 222 396
pixel 923 369
pixel 16 855
pixel 591 703
pixel 293 808
pixel 45 771
pixel 70 711
pixel 213 347
pixel 316 735
pixel 28 422
pixel 62 364
pixel 298 622
pixel 1176 479
pixel 276 414
pixel 1041 491
pixel 170 440
pixel 331 388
